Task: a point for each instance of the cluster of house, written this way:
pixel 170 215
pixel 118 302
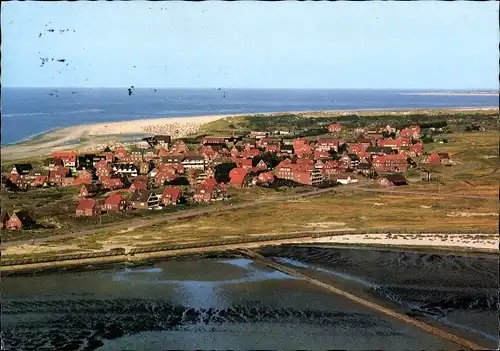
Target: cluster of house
pixel 159 161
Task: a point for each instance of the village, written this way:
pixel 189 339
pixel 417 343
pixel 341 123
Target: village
pixel 158 172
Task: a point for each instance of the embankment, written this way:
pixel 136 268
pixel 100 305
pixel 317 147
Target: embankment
pixel 372 305
pixel 24 265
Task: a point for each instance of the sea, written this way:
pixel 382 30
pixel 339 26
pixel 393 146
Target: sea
pixel 238 304
pixel 29 112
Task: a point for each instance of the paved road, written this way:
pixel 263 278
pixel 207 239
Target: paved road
pixel 124 225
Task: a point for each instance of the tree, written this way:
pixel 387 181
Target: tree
pixel 222 172
pixel 178 181
pixel 125 181
pixel 269 158
pixel 334 154
pixel 342 148
pixel 391 135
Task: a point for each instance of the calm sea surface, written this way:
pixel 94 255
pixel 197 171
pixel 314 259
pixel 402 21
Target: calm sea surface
pixel 238 304
pixel 27 112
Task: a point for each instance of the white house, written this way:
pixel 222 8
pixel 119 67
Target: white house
pixel 346 179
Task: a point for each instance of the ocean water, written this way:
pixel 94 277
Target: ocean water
pixel 27 112
pixel 203 304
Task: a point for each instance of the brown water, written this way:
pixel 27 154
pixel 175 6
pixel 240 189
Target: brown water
pixel 204 304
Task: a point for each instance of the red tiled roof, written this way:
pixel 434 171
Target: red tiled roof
pixel 174 192
pixel 114 200
pixel 86 204
pixel 211 182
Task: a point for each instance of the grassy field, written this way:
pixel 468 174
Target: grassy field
pixel 320 120
pixel 326 212
pixel 54 209
pixel 477 163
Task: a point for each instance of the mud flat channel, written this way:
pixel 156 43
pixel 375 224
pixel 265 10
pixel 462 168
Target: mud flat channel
pixel 235 303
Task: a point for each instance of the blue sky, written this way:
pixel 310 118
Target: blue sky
pixel 373 45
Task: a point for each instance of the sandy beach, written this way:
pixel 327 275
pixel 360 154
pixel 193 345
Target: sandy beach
pixel 96 136
pixel 457 241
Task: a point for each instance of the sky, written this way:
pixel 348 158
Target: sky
pixel 360 45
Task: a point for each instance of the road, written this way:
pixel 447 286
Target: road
pixel 126 224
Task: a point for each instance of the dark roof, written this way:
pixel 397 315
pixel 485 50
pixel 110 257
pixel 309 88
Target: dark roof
pixel 23 168
pixel 353 157
pixel 25 217
pixel 395 178
pixel 364 165
pixel 52 160
pixel 443 154
pixel 141 196
pixel 91 188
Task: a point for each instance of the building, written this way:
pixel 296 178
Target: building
pixel 393 180
pixel 144 199
pixel 213 140
pixel 163 140
pixel 437 158
pixel 309 176
pixel 20 220
pixel 52 163
pixel 21 169
pixel 87 207
pixel 263 178
pixel 88 190
pixel 137 186
pixel 390 163
pixel 334 127
pixel 171 196
pixel 261 165
pixel 350 160
pixel 84 176
pixel 209 190
pixel 194 162
pixel 327 144
pixel 237 176
pixel 103 169
pixel 179 147
pixel 346 179
pixel 126 170
pixel 114 203
pixel 412 131
pixel 69 158
pixel 245 163
pixel 112 183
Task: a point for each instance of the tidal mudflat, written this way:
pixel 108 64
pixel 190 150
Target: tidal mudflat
pixel 203 303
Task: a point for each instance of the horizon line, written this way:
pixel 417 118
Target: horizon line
pixel 250 88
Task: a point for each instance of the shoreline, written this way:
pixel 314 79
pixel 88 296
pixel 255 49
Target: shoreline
pixel 96 136
pixel 125 126
pixel 145 258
